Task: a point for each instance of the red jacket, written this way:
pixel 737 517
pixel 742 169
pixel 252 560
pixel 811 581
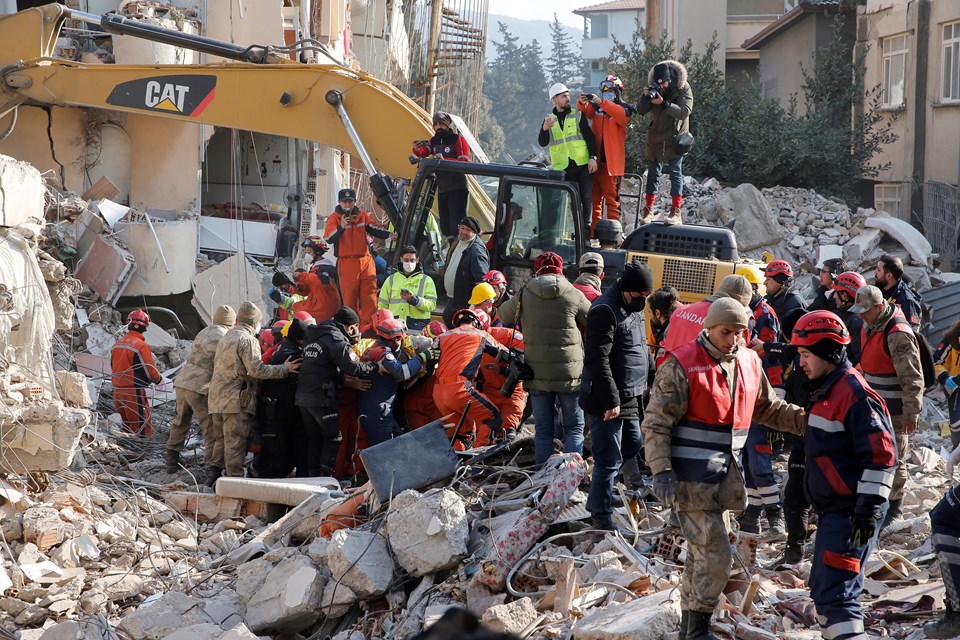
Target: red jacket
pixel 686 323
pixel 610 130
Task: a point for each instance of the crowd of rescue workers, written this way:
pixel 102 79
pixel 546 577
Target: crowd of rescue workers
pixel 695 417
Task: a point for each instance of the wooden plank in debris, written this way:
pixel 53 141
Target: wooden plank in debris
pixel 101 189
pixel 567 587
pixel 207 507
pixel 750 595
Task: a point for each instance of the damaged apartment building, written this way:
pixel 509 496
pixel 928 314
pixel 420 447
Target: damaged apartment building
pixel 172 190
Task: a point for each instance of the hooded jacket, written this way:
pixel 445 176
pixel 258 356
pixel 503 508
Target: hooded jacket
pixel 327 357
pixel 551 317
pixel 672 117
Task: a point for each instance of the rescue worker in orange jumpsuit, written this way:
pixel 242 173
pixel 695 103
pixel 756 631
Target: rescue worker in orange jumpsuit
pixel 418 405
pixel 458 353
pixel 134 369
pixel 347 229
pixel 494 375
pixel 318 288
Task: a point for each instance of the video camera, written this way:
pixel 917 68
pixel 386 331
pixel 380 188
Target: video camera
pixel 517 370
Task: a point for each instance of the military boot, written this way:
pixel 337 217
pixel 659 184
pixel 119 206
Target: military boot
pixel 946 627
pixel 793 554
pixel 698 626
pixel 172 461
pixel 776 531
pixel 684 620
pixel 674 217
pixel 213 473
pixel 647 216
pixel 750 520
pixel 893 513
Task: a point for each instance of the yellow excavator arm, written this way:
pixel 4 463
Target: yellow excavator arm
pixel 288 99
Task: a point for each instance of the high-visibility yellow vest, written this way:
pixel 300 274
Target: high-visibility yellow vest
pixel 567 144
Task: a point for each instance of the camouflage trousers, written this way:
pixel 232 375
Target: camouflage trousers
pixel 700 506
pixel 231 431
pixel 191 404
pixel 903 454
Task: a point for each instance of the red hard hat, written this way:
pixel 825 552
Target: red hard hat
pixel 849 282
pixel 433 329
pixel 390 329
pixel 139 316
pixel 381 316
pixel 266 337
pixel 302 315
pixel 316 243
pixel 279 325
pixel 466 315
pixel 483 318
pixel 819 325
pixel 494 277
pixel 778 268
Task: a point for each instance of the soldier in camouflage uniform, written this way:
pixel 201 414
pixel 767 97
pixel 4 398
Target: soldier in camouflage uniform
pixel 693 430
pixel 232 392
pixel 191 386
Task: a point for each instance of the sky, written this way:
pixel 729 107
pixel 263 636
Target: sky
pixel 528 10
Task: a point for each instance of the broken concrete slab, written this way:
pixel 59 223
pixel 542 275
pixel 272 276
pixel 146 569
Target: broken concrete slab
pixel 860 245
pixel 206 507
pixel 286 603
pixel 22 194
pixel 428 532
pixel 45 438
pixel 337 599
pixel 106 268
pixel 360 560
pixel 86 629
pixel 119 586
pixel 288 491
pixel 166 273
pixel 648 618
pixel 756 226
pixel 157 620
pixel 43 527
pixel 231 282
pixel 512 617
pixel 72 388
pixel 202 631
pixel 905 233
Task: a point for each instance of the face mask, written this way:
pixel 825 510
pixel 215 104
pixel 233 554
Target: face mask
pixel 309 258
pixel 608 95
pixel 408 266
pixel 636 304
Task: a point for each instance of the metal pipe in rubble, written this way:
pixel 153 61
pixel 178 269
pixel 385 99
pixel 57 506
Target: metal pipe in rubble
pixel 380 184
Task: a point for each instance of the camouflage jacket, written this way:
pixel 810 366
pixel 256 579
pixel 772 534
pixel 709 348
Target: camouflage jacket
pixel 238 359
pixel 196 373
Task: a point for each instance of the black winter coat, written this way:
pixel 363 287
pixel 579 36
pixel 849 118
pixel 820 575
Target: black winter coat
pixel 327 357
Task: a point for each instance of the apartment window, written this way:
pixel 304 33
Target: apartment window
pixel 598 27
pixel 886 197
pixel 894 70
pixel 951 63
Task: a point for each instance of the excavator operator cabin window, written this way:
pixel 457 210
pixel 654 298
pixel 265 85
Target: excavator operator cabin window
pixel 538 218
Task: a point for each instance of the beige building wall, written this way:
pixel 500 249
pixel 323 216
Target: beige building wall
pixel 30 142
pixel 780 71
pixel 942 148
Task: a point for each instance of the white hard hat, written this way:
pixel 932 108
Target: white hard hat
pixel 557 89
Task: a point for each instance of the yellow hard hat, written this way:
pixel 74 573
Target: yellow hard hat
pixel 751 274
pixel 481 293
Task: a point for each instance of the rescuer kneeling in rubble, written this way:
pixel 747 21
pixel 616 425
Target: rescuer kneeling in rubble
pixel 852 455
pixel 694 428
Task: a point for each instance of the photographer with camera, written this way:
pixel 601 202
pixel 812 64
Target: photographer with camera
pixel 669 101
pixel 551 313
pixel 447 144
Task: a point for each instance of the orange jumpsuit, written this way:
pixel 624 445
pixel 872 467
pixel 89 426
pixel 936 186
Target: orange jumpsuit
pixel 610 130
pixel 494 375
pixel 322 291
pixel 418 404
pixel 461 351
pixel 358 274
pixel 133 368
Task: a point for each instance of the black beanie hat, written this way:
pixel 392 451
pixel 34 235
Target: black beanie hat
pixel 346 316
pixel 297 330
pixel 830 350
pixel 637 278
pixel 471 223
pixel 661 73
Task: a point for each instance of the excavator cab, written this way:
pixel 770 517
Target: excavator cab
pixel 536 211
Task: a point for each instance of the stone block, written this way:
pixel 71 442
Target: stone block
pixel 428 532
pixel 73 390
pixel 202 631
pixel 159 619
pixel 756 225
pixel 239 632
pixel 861 245
pixel 360 560
pixel 286 603
pixel 337 599
pixel 251 576
pixel 46 441
pixel 22 194
pixel 512 617
pixel 649 618
pixel 43 527
pixel 90 629
pixel 119 587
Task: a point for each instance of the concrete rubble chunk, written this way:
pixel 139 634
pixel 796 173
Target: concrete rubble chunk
pixel 120 586
pixel 72 387
pixel 905 233
pixel 286 603
pixel 648 618
pixel 428 532
pixel 337 599
pixel 318 550
pixel 360 560
pixel 512 617
pixel 87 629
pixel 203 631
pixel 251 576
pixel 756 226
pixel 239 632
pixel 22 194
pixel 159 619
pixel 43 527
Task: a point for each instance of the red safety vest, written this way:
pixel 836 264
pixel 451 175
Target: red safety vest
pixel 686 323
pixel 877 365
pixel 714 428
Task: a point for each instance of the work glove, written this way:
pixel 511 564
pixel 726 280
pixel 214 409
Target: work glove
pixel 952 461
pixel 773 436
pixel 665 487
pixel 951 384
pixel 861 530
pixel 425 357
pixel 434 352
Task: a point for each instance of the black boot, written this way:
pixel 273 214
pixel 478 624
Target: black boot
pixel 750 520
pixel 684 620
pixel 946 627
pixel 213 473
pixel 776 530
pixel 172 461
pixel 793 554
pixel 893 513
pixel 698 626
